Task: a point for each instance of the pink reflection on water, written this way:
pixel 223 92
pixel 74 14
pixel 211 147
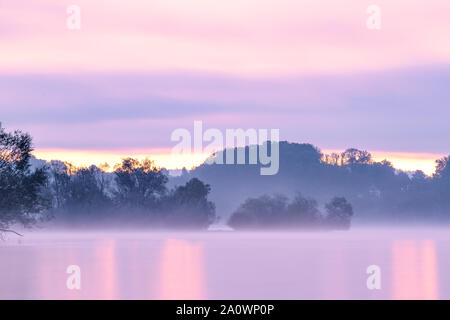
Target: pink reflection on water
pixel 137 284
pixel 105 253
pixel 51 276
pixel 429 270
pixel 332 275
pixel 182 271
pixel 45 281
pixel 414 270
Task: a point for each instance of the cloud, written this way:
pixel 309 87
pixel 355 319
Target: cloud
pixel 246 37
pixel 401 110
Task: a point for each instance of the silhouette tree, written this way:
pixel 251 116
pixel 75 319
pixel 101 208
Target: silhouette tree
pixel 188 206
pixel 443 168
pixel 442 184
pixel 261 212
pixel 354 156
pixel 60 174
pixel 86 195
pixel 140 184
pixel 339 213
pixel 303 211
pixel 22 199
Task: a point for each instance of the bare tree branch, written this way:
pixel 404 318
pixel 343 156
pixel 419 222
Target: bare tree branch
pixel 12 231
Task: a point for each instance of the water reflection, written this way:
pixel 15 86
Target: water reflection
pixel 106 272
pixel 244 266
pixel 182 271
pixel 429 270
pixel 415 274
pixel 331 273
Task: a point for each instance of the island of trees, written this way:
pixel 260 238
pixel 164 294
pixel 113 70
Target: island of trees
pixel 274 212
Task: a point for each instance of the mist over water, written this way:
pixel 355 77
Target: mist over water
pixel 227 265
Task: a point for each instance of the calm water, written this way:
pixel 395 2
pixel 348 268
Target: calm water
pixel 415 264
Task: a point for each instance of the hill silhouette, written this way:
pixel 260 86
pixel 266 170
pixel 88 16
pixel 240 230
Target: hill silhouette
pixel 377 191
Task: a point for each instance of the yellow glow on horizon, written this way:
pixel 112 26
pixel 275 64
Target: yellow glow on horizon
pixel 410 161
pixel 407 161
pixel 83 158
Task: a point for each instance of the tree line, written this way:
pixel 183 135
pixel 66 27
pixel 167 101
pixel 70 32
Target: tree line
pixel 140 193
pixel 136 193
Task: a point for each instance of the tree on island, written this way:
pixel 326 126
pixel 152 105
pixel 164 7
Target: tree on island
pixel 259 213
pixel 139 184
pixel 276 212
pixel 188 206
pixel 304 211
pixel 339 213
pixel 22 198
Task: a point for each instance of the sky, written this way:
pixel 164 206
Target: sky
pixel 137 70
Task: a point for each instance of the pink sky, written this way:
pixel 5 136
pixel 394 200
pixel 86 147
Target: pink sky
pixel 137 70
pixel 245 37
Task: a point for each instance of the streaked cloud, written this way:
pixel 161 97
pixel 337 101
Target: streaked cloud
pixel 403 110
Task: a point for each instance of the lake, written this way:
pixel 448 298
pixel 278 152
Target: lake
pixel 413 263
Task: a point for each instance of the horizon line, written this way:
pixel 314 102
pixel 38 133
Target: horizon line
pixel 405 161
